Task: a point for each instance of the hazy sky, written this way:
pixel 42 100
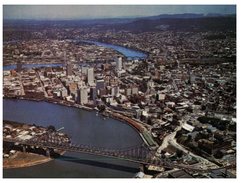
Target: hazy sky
pixel 104 11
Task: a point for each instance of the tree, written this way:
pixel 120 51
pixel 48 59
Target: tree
pixel 101 108
pixel 51 128
pixel 218 154
pixel 179 153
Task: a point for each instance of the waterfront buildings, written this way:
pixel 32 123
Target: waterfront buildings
pixel 83 95
pixel 90 76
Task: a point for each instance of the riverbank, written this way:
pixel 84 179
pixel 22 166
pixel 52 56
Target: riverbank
pixel 14 155
pixel 84 128
pixel 51 100
pixel 21 160
pixel 105 42
pixel 140 128
pixel 132 52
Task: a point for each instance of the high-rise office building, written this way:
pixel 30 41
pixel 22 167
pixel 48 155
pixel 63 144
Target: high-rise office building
pixel 93 93
pixel 69 70
pixel 119 64
pixel 100 84
pixel 83 95
pixel 84 70
pixel 90 76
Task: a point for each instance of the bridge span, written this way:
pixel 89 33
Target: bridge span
pixel 141 154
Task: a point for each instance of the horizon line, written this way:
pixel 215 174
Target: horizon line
pixel 121 17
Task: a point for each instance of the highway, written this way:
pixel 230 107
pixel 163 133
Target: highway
pixel 171 140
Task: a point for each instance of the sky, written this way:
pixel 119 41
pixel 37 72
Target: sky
pixel 106 11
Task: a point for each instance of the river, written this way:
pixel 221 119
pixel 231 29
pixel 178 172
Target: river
pixel 84 127
pixel 123 50
pixel 127 52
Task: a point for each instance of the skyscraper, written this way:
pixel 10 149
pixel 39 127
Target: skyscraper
pixel 100 83
pixel 93 93
pixel 83 95
pixel 84 70
pixel 69 71
pixel 90 76
pixel 119 64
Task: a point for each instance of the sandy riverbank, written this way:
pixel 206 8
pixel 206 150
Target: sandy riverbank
pixel 20 160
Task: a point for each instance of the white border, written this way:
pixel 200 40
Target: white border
pixel 178 2
pixel 141 2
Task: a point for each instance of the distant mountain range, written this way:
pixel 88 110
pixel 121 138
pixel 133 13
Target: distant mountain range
pixel 185 23
pixel 181 22
pixel 128 20
pixel 185 15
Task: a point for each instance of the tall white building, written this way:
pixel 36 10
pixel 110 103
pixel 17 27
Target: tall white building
pixel 83 96
pixel 90 76
pixel 84 70
pixel 119 64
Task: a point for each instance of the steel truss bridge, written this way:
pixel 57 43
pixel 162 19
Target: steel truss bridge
pixel 138 154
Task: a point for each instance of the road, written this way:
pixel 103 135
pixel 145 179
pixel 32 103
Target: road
pixel 203 163
pixel 21 84
pixel 168 138
pixel 42 85
pixel 171 140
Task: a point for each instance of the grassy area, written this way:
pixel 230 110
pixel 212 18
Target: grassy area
pixel 148 138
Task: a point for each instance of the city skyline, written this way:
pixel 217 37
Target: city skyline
pixel 147 97
pixel 52 12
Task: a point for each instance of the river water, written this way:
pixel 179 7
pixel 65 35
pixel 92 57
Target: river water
pixel 84 127
pixel 123 50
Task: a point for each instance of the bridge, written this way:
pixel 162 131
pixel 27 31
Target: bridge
pixel 138 154
pixel 135 154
